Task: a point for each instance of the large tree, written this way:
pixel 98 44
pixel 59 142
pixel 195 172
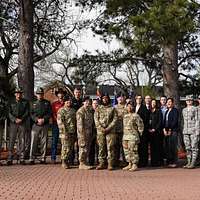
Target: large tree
pixel 52 23
pixel 153 30
pixel 25 68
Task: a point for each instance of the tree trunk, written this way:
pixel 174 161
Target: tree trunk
pixel 3 77
pixel 25 69
pixel 170 72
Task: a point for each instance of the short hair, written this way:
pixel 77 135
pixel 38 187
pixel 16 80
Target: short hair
pixel 138 95
pixel 163 96
pixel 77 88
pixel 170 98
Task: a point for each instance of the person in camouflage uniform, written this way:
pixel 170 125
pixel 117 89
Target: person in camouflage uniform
pixel 190 125
pixel 198 110
pixel 105 120
pixel 66 120
pixel 40 114
pixel 3 115
pixel 121 110
pixel 18 115
pixel 133 129
pixel 84 117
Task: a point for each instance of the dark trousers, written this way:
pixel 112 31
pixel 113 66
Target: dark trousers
pixel 170 148
pixel 156 149
pixel 119 148
pixel 92 153
pixel 54 144
pixel 143 150
pixel 17 131
pixel 1 136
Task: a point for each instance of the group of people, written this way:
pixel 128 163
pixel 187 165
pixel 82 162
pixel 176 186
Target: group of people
pixel 123 135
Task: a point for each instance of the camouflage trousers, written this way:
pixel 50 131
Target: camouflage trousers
pixel 84 148
pixel 131 151
pixel 107 143
pixel 191 146
pixel 67 147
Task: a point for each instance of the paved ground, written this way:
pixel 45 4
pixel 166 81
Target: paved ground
pixel 52 182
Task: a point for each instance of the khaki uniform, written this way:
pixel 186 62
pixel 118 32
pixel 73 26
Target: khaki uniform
pixel 18 109
pixel 133 128
pixel 106 117
pixel 84 117
pixel 121 111
pixel 40 109
pixel 66 120
pixel 190 123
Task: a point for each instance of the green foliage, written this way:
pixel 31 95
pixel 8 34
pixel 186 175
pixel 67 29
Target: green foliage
pixel 167 21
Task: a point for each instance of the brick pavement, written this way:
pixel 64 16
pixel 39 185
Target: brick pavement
pixel 54 183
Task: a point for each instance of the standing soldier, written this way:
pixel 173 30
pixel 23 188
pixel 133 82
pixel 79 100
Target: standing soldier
pixel 120 107
pixel 40 114
pixel 18 114
pixel 3 115
pixel 84 117
pixel 133 129
pixel 66 119
pixel 55 131
pixel 198 110
pixel 105 119
pixel 190 132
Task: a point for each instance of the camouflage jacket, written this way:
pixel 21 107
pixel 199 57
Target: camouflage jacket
pixel 190 121
pixel 121 111
pixel 105 117
pixel 84 119
pixel 133 126
pixel 66 119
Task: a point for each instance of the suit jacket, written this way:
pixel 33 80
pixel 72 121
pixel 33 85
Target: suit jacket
pixel 144 113
pixel 173 118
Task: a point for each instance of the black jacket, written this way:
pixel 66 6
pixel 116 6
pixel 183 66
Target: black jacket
pixel 173 119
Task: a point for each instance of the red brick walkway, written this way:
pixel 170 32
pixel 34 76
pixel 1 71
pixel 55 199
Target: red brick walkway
pixel 53 182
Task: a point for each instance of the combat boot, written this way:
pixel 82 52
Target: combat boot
pixel 128 167
pixel 187 165
pixel 110 166
pixel 192 165
pixel 65 165
pixel 9 162
pixel 133 168
pixel 101 166
pixel 84 166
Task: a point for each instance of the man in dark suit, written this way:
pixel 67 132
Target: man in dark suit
pixel 144 113
pixel 76 104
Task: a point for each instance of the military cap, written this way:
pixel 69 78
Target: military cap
pixel 86 98
pixel 189 97
pixel 40 90
pixel 67 98
pixel 18 90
